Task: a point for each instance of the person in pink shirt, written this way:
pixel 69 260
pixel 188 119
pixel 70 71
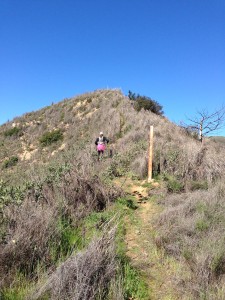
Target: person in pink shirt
pixel 101 142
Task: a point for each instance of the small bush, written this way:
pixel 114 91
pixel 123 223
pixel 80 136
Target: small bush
pixel 51 137
pixel 12 161
pixel 89 100
pixel 69 237
pixel 118 135
pixel 173 185
pixel 15 131
pixel 146 103
pixel 127 202
pixel 201 225
pixel 218 263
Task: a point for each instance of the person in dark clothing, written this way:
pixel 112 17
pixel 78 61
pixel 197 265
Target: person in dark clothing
pixel 101 142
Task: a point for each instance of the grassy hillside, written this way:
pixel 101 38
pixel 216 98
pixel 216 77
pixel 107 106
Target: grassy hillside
pixel 63 218
pixel 67 130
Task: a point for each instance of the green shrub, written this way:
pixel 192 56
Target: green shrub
pixel 82 108
pixel 118 135
pixel 218 262
pixel 10 193
pixel 187 254
pixel 146 103
pixel 17 293
pixel 127 202
pixel 89 100
pixel 15 131
pixel 201 225
pixel 173 185
pixel 51 137
pixel 12 161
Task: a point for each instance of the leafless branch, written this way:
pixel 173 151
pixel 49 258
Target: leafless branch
pixel 206 122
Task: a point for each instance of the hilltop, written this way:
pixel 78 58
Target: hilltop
pixel 67 130
pixel 75 228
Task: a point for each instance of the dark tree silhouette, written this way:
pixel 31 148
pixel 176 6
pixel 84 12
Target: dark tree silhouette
pixel 146 103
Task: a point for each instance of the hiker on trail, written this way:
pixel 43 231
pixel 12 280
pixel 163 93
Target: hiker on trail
pixel 101 142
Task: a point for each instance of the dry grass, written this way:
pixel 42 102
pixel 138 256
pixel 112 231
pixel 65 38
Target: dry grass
pixel 192 229
pixel 86 275
pixel 191 226
pixel 30 230
pixel 83 117
pixel 33 229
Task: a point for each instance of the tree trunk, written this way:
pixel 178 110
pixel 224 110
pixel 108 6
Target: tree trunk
pixel 200 132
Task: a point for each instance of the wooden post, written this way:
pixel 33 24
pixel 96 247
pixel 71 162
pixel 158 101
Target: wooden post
pixel 150 154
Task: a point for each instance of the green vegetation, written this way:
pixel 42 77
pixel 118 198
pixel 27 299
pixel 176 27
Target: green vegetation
pixel 69 239
pixel 173 185
pixel 51 137
pixel 146 103
pixel 134 286
pixel 18 292
pixel 201 225
pixel 58 231
pixel 10 162
pixel 15 131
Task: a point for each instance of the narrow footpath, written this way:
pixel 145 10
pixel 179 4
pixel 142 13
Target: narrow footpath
pixel 143 248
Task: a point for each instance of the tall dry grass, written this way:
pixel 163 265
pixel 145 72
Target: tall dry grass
pixel 85 275
pixel 33 229
pixel 192 229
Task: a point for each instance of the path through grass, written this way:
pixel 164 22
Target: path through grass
pixel 143 248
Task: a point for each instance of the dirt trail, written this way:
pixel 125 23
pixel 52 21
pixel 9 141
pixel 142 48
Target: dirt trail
pixel 141 238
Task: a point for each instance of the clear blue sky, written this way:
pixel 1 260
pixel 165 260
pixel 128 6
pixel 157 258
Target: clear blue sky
pixel 170 50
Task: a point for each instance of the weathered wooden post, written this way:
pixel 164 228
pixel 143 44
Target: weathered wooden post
pixel 150 155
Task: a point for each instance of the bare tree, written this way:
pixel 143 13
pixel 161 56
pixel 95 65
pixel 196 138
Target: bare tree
pixel 205 122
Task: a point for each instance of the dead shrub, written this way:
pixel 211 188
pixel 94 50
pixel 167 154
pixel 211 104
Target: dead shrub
pixel 86 275
pixel 30 228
